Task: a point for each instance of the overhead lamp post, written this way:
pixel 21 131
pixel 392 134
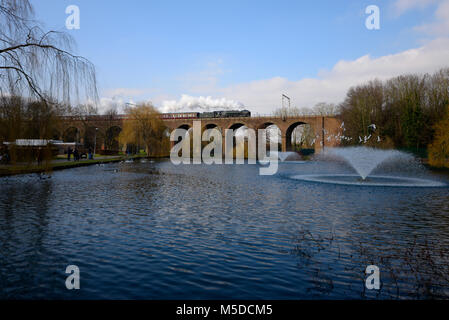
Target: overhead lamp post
pixel 284 97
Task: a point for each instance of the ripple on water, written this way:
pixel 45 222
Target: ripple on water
pixel 154 230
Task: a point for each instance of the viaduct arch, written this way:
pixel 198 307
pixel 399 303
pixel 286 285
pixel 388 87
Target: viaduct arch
pixel 323 128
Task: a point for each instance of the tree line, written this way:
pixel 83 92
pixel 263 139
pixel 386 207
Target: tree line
pixel 406 112
pixel 404 109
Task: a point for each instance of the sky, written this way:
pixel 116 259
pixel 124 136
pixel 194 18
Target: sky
pixel 198 55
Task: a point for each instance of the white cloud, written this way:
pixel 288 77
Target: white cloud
pixel 112 103
pixel 263 96
pixel 119 97
pixel 440 27
pixel 401 6
pixel 189 103
pixel 124 92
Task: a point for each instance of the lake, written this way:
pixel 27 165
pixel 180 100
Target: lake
pixel 158 231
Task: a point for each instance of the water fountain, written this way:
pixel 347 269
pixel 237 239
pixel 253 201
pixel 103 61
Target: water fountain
pixel 364 161
pixel 287 156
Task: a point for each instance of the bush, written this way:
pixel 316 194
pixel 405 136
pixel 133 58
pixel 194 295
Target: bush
pixel 439 149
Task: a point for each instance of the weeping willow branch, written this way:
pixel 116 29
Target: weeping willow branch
pixel 38 63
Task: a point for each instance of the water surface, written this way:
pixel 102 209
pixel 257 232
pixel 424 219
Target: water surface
pixel 159 231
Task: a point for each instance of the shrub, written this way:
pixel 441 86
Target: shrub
pixel 439 149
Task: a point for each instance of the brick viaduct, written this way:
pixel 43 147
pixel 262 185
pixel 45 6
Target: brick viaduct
pixel 324 128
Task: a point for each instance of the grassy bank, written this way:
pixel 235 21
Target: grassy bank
pixel 9 170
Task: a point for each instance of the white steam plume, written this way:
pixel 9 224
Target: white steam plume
pixel 199 104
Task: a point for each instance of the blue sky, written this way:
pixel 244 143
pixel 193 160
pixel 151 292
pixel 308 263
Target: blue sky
pixel 237 50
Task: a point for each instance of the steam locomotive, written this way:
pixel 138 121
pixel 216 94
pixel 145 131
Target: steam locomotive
pixel 212 114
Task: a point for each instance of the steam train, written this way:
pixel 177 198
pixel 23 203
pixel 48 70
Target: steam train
pixel 212 114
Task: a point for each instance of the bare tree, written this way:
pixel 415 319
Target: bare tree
pixel 287 112
pixel 303 137
pixel 38 63
pixel 326 109
pixel 83 111
pixel 320 109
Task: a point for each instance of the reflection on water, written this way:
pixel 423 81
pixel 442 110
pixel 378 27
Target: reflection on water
pixel 154 230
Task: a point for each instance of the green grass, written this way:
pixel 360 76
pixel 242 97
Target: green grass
pixel 7 170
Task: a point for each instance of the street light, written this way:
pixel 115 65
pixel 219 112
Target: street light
pixel 95 143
